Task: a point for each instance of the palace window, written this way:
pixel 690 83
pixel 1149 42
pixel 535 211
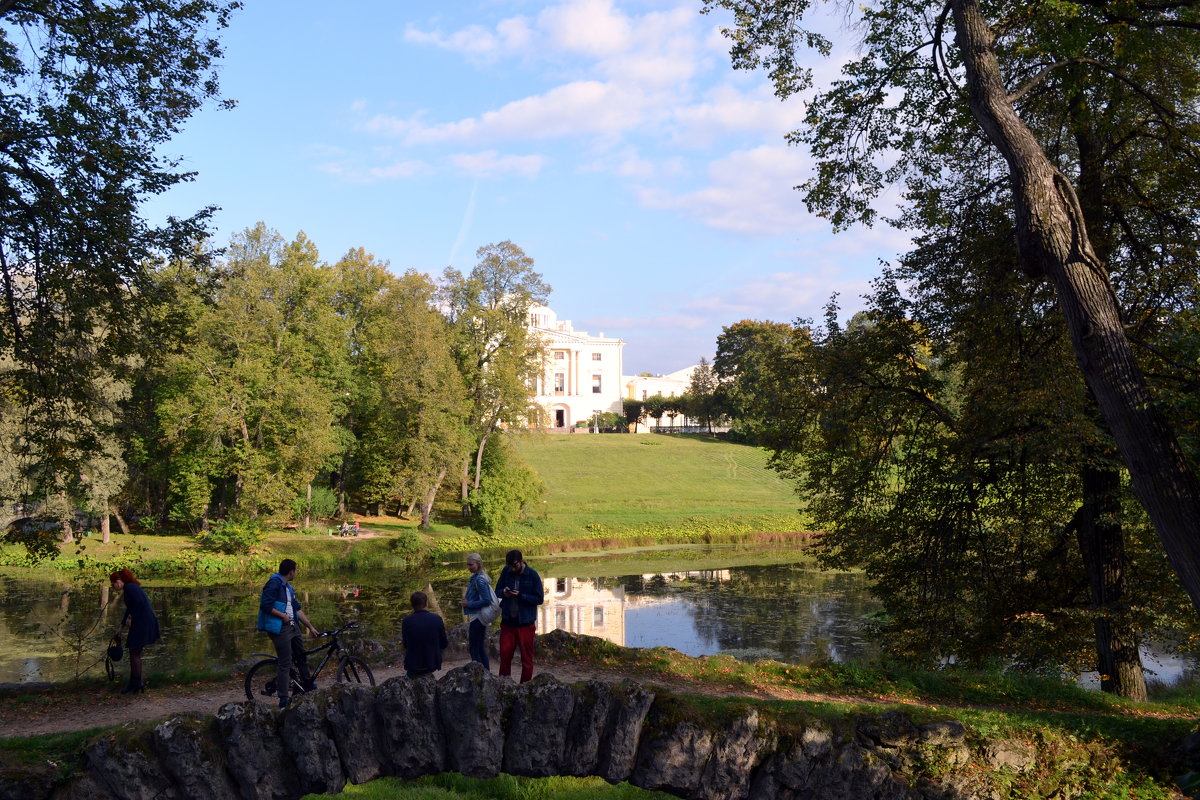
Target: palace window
pixel 595 384
pixel 559 355
pixel 598 616
pixel 595 356
pixel 560 381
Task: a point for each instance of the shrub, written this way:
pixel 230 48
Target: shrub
pixel 322 505
pixel 232 536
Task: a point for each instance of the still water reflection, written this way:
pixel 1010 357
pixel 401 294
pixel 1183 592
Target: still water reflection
pixel 790 612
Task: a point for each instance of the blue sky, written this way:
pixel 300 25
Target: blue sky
pixel 610 139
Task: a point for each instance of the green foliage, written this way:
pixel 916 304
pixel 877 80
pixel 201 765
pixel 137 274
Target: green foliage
pixel 322 505
pixel 453 786
pixel 232 536
pixel 508 490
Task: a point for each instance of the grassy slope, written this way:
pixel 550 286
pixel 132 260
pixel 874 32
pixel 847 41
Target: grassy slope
pixel 648 479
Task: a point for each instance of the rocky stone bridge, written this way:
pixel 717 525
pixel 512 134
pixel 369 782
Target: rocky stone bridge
pixel 472 722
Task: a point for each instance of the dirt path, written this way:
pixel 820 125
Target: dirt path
pixel 43 712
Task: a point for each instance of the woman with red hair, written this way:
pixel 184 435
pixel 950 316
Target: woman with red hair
pixel 139 617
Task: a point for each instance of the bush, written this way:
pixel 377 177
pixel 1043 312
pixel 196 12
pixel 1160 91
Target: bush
pixel 322 505
pixel 232 536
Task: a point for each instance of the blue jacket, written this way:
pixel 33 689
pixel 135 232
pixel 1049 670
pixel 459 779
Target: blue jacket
pixel 275 595
pixel 477 596
pixel 520 610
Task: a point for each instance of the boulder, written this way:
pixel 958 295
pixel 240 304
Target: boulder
pixel 630 704
pixel 125 764
pixel 538 723
pixel 308 739
pixel 259 764
pixel 473 706
pixel 351 710
pixel 673 754
pixel 188 749
pixel 410 731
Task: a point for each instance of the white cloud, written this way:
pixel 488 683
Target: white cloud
pixel 749 192
pixel 477 43
pixel 581 107
pixel 362 174
pixel 726 108
pixel 657 322
pixel 490 164
pixel 782 296
pixel 590 27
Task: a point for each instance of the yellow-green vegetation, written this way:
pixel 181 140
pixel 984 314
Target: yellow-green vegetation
pixel 452 786
pixel 644 488
pixel 602 491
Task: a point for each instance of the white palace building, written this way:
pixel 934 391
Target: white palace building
pixel 583 372
pixel 583 375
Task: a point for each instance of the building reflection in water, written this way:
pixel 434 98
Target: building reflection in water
pixel 578 605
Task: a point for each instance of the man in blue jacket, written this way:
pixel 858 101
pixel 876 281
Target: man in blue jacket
pixel 520 591
pixel 278 612
pixel 424 637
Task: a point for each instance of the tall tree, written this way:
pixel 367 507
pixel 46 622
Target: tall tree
pixel 912 95
pixel 92 93
pixel 497 355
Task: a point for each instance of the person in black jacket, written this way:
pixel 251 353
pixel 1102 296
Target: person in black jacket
pixel 139 618
pixel 424 637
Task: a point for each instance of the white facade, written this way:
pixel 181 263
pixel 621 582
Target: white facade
pixel 583 372
pixel 674 384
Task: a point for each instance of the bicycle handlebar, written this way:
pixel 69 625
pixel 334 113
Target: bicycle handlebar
pixel 349 626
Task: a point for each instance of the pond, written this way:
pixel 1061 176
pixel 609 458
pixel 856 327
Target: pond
pixel 697 599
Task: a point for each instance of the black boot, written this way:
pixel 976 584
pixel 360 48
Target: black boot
pixel 134 686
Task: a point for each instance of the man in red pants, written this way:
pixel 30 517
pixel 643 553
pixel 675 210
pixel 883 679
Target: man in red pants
pixel 520 591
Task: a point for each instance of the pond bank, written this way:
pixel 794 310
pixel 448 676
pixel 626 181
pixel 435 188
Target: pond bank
pixel 862 743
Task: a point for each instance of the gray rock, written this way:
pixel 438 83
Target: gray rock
pixel 619 745
pixel 82 787
pixel 125 764
pixel 309 741
pixel 538 722
pixel 473 706
pixel 1009 755
pixel 672 755
pixel 188 750
pixel 257 760
pixel 821 765
pixel 27 782
pixel 354 722
pixel 738 749
pixel 410 730
pixel 589 725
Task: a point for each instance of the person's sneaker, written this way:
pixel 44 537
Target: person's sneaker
pixel 283 701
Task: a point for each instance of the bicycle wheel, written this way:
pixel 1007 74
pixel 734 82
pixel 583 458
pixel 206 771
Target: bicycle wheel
pixel 354 670
pixel 260 681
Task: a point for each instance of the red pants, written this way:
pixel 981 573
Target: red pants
pixel 509 639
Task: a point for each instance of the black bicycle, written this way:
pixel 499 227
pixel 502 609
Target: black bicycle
pixel 260 680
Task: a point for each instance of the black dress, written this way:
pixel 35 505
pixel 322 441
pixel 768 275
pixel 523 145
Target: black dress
pixel 143 630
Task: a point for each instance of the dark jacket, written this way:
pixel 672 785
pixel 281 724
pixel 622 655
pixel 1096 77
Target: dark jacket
pixel 424 637
pixel 275 595
pixel 143 627
pixel 520 610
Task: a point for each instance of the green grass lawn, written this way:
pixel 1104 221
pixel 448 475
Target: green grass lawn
pixel 624 480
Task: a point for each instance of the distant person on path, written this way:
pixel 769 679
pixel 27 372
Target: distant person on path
pixel 520 591
pixel 143 625
pixel 357 529
pixel 278 611
pixel 476 600
pixel 424 636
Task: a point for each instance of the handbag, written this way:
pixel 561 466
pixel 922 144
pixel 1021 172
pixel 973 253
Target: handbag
pixel 488 614
pixel 111 655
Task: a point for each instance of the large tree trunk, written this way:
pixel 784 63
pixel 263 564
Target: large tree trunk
pixel 121 523
pixel 430 496
pixel 105 527
pixel 1102 545
pixel 1053 240
pixel 308 506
